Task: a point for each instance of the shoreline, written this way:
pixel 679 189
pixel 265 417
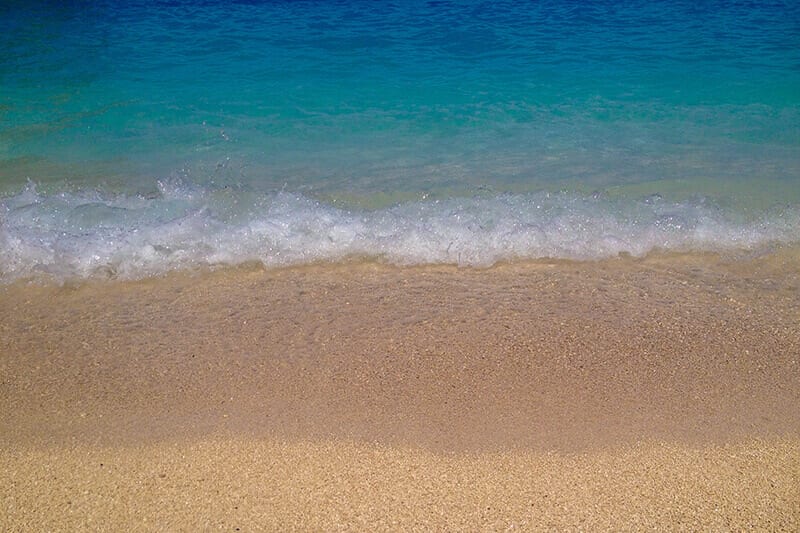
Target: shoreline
pixel 644 373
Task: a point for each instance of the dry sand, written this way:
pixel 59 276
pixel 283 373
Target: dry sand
pixel 623 394
pixel 225 484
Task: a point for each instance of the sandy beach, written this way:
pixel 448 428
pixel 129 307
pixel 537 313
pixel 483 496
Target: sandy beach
pixel 430 266
pixel 631 393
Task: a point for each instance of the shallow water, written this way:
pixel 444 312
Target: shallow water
pixel 142 138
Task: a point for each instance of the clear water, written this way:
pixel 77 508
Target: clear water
pixel 140 137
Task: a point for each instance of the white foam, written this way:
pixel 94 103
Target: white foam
pixel 85 235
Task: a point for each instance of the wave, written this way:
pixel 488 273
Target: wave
pixel 95 235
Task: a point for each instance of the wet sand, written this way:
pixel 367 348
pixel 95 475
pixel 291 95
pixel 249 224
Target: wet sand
pixel 624 393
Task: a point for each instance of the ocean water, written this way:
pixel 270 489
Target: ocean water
pixel 142 137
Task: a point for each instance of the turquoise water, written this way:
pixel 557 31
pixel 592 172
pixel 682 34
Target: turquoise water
pixel 149 136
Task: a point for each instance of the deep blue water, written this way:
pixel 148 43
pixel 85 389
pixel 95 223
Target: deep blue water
pixel 138 137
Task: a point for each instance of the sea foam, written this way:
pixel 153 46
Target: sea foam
pixel 94 235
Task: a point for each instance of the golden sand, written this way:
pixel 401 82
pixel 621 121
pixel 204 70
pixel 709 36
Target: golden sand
pixel 622 394
pixel 225 484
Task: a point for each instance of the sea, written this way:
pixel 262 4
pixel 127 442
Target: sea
pixel 144 137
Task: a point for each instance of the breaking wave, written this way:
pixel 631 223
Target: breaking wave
pixel 94 235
